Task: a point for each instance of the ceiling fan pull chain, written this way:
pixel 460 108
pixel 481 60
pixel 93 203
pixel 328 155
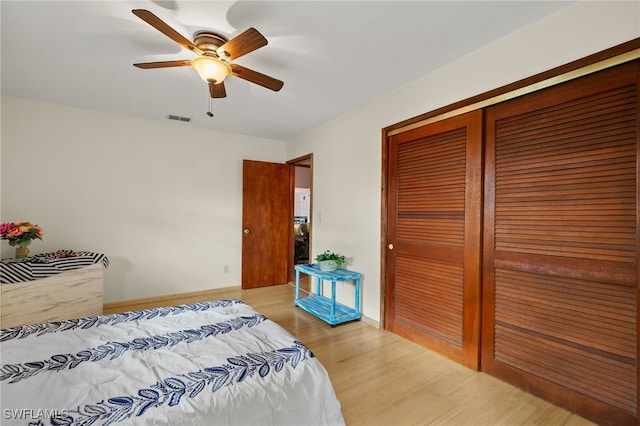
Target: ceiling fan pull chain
pixel 210 113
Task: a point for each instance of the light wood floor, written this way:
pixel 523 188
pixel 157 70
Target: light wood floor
pixel 383 379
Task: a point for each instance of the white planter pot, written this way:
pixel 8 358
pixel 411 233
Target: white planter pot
pixel 327 265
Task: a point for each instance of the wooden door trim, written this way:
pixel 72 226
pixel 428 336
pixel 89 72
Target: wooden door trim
pixel 472 283
pixel 302 160
pixel 291 237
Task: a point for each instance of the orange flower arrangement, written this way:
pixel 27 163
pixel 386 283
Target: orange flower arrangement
pixel 20 233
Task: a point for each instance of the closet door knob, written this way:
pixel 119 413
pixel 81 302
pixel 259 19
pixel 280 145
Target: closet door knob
pixel 390 246
pixel 246 231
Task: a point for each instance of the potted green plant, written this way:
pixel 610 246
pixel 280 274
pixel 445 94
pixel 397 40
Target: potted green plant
pixel 330 261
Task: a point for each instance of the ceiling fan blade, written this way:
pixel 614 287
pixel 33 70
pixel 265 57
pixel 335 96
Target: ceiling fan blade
pixel 242 44
pixel 217 90
pixel 256 77
pixel 165 29
pixel 164 64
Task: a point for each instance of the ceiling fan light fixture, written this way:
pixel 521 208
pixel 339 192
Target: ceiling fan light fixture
pixel 211 69
pixel 216 53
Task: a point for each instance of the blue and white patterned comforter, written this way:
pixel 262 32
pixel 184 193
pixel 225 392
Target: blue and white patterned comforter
pixel 210 363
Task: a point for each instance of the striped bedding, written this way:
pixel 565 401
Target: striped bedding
pixel 210 363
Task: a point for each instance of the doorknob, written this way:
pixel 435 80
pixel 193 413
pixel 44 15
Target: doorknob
pixel 390 246
pixel 246 231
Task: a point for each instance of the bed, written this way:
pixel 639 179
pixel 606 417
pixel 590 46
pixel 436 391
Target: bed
pixel 211 363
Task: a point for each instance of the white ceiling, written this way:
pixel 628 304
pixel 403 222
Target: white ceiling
pixel 332 55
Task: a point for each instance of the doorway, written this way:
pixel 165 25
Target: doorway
pixel 301 170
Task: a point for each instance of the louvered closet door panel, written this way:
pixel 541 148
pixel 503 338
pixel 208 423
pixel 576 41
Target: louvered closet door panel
pixel 434 228
pixel 561 244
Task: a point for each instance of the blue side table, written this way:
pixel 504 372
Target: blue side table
pixel 323 307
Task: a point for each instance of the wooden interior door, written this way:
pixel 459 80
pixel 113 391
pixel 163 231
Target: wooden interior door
pixel 561 244
pixel 432 262
pixel 266 223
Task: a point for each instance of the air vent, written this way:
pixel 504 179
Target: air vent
pixel 178 118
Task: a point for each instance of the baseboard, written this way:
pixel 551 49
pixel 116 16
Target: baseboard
pixel 371 321
pixel 166 300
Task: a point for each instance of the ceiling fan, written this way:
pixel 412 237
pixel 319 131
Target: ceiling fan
pixel 215 55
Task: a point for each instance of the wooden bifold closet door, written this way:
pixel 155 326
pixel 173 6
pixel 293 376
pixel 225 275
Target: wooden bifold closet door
pixel 513 241
pixel 434 228
pixel 561 244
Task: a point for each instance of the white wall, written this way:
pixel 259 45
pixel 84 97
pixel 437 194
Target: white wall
pixel 162 200
pixel 347 151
